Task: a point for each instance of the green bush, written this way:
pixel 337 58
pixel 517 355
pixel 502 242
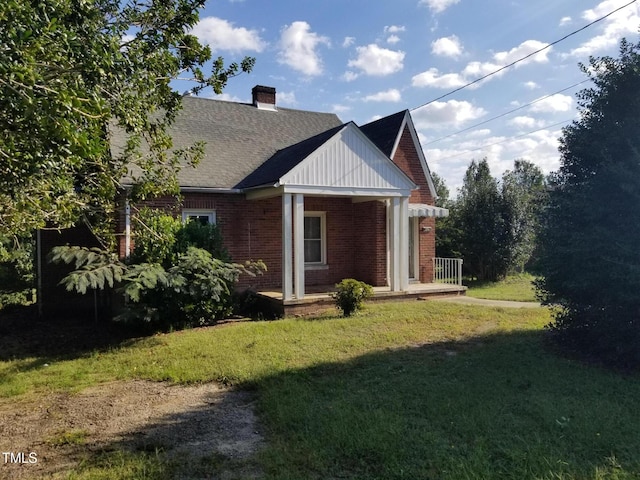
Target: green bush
pixel 193 292
pixel 17 278
pixel 179 275
pixel 162 238
pixel 350 295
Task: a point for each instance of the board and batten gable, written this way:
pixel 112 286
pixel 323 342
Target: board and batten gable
pixel 349 161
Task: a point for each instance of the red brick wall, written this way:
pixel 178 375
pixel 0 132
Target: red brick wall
pixel 406 157
pixel 370 239
pixel 356 233
pixel 252 230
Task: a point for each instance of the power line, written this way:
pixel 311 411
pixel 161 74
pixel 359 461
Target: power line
pixel 503 141
pixel 507 113
pixel 523 58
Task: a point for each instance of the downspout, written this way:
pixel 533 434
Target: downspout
pixel 127 228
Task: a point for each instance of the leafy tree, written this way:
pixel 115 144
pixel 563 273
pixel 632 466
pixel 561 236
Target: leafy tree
pixel 173 279
pixel 16 270
pixel 523 194
pixel 480 219
pixel 590 255
pixel 447 231
pixel 70 72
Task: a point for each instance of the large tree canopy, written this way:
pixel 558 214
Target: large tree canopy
pixel 480 218
pixel 69 71
pixel 591 258
pixel 523 194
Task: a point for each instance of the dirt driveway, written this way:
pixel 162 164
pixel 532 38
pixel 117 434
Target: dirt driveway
pixel 189 424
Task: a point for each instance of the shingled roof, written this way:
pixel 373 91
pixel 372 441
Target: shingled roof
pixel 383 132
pixel 238 137
pixel 246 146
pixel 284 160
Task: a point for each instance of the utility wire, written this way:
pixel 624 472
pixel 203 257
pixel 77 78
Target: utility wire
pixel 507 113
pixel 503 141
pixel 523 58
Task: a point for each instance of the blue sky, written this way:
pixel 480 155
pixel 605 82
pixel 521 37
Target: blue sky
pixel 367 59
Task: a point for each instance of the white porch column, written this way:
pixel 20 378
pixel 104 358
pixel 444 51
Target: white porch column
pixel 394 244
pixel 404 244
pixel 287 247
pixel 298 240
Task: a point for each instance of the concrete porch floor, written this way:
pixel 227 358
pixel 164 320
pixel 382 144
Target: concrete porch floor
pixel 317 298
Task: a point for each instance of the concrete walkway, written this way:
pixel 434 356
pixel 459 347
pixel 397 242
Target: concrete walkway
pixel 488 303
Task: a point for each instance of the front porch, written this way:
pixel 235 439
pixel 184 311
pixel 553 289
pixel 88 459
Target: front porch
pixel 318 298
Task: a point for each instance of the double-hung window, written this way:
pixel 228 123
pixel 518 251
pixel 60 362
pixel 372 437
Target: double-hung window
pixel 202 216
pixel 315 248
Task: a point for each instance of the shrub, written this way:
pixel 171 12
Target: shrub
pixel 350 295
pixel 179 275
pixel 17 277
pixel 162 238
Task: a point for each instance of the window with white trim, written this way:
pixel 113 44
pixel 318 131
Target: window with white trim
pixel 202 216
pixel 315 245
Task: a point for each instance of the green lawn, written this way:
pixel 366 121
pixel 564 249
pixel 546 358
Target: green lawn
pixel 518 288
pixel 413 390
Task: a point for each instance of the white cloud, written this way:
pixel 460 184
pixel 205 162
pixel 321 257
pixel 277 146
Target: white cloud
pixel 338 108
pixel 451 162
pixel 450 113
pixel 447 47
pixel 531 85
pixel 348 41
pixel 620 24
pixel 480 133
pixel 393 39
pixel 220 34
pixel 554 103
pixel 391 95
pixel 438 6
pixel 565 21
pixel 286 98
pixel 225 97
pixel 475 70
pixel 376 61
pixel 394 28
pixel 525 48
pixel 349 76
pixel 602 9
pixel 433 78
pixel 524 122
pixel 298 48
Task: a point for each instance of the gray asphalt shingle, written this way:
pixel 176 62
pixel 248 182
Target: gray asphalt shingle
pixel 239 137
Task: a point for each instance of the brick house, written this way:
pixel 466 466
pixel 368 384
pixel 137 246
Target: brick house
pixel 355 201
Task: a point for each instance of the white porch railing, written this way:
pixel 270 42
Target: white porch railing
pixel 447 270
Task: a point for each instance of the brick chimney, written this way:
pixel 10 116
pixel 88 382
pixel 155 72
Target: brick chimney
pixel 264 98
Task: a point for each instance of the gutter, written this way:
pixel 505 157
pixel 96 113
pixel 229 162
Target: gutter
pixel 211 190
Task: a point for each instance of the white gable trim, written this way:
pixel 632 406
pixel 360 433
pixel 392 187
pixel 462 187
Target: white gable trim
pixel 348 162
pixel 408 121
